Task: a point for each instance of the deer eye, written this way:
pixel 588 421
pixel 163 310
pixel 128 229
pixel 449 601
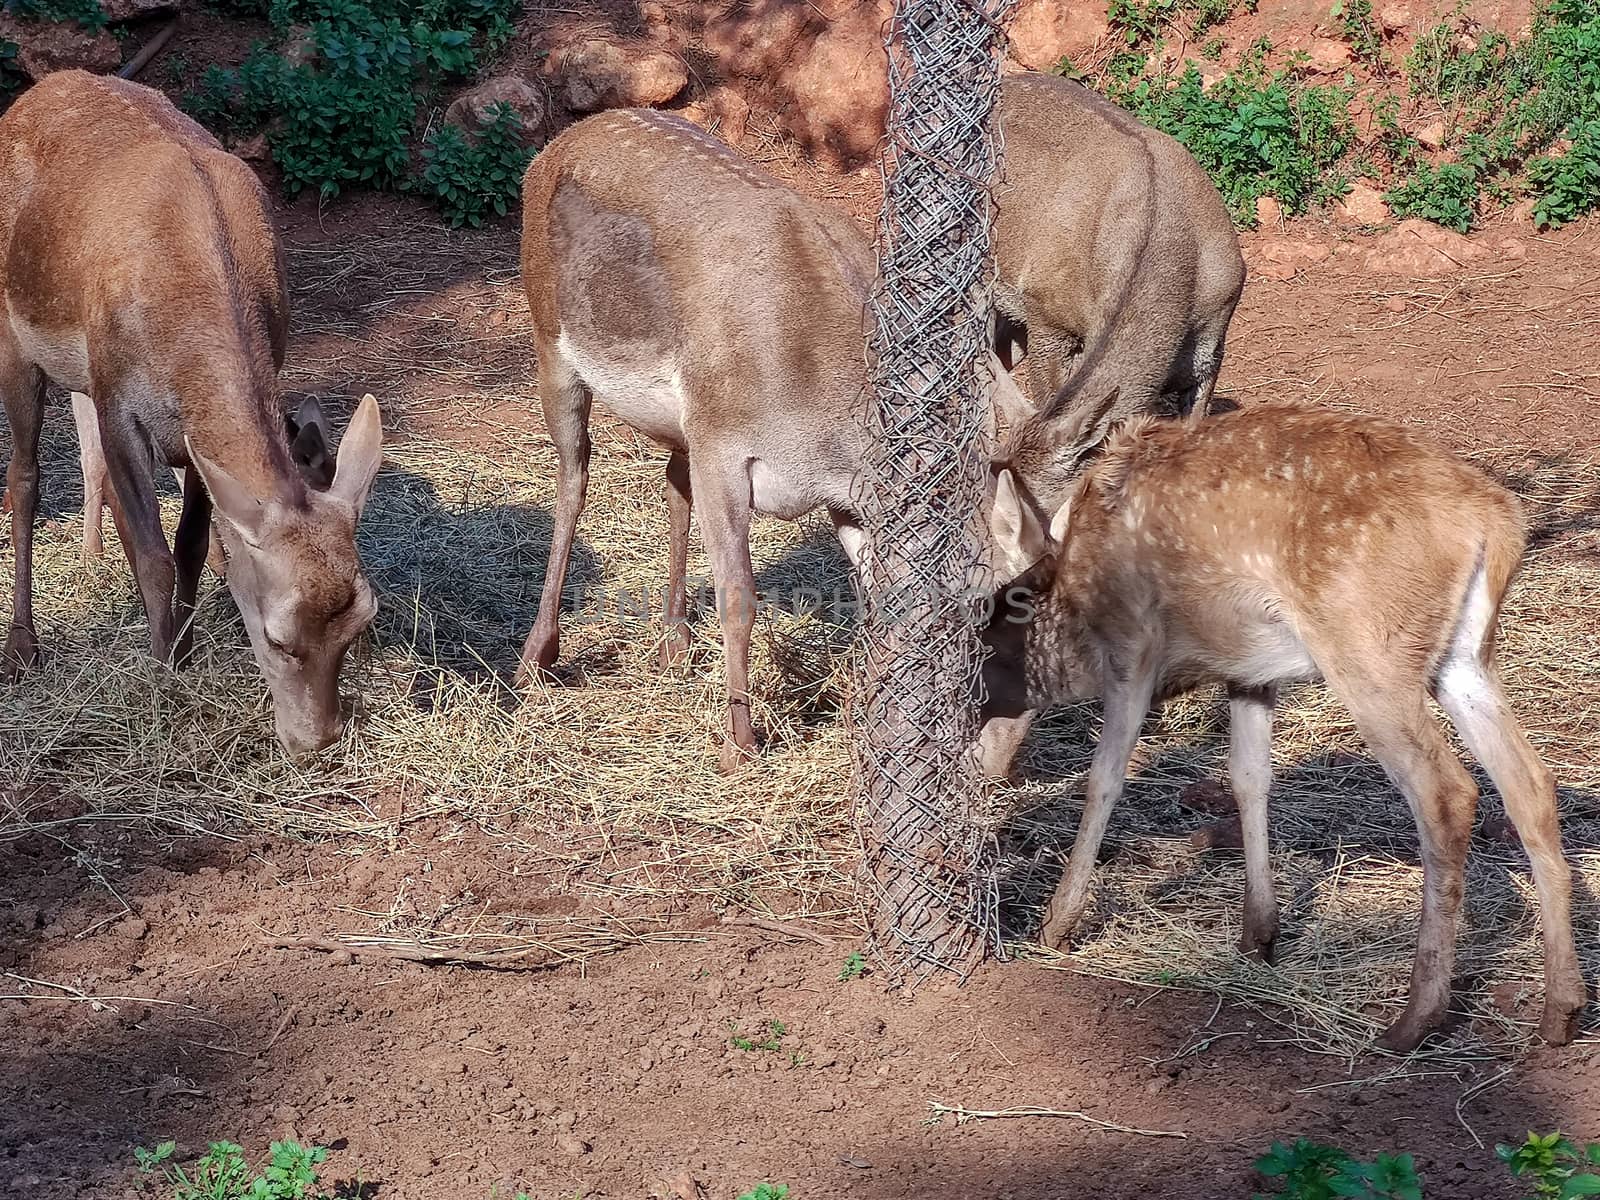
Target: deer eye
pixel 277 646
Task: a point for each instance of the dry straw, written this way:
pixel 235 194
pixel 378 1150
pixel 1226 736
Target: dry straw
pixel 610 776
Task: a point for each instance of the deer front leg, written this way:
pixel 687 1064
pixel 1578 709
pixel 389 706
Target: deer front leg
pixel 675 641
pixel 138 518
pixel 723 491
pixel 93 461
pixel 1250 772
pixel 1127 701
pixel 22 389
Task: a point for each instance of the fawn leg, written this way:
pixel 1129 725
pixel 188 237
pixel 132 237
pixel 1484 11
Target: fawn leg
pixel 1127 701
pixel 92 458
pixel 1250 772
pixel 675 642
pixel 1470 692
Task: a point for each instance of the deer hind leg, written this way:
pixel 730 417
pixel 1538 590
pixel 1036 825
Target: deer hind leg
pixel 1469 691
pixel 1412 748
pixel 216 557
pixel 189 553
pixel 22 390
pixel 566 400
pixel 723 490
pixel 92 458
pixel 675 642
pixel 1127 702
pixel 1250 772
pixel 138 518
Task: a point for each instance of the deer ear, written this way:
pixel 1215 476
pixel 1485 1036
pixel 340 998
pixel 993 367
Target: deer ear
pixel 232 499
pixel 1061 523
pixel 360 454
pixel 308 443
pixel 1018 536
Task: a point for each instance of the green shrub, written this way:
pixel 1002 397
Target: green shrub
pixel 1442 194
pixel 1256 133
pixel 467 180
pixel 1308 1171
pixel 1551 1163
pixel 1568 185
pixel 766 1191
pixel 87 13
pixel 344 113
pixel 1361 30
pixel 223 1174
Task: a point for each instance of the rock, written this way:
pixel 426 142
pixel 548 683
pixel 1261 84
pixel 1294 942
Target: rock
pixel 253 148
pixel 572 1145
pixel 474 109
pixel 1432 136
pixel 127 10
pixel 722 111
pixel 1329 56
pixel 1395 304
pixel 1363 204
pixel 1511 249
pixel 1268 211
pixel 597 73
pixel 1420 249
pixel 818 65
pixel 46 46
pixel 1522 211
pixel 1220 835
pixel 1043 32
pixel 1207 795
pixel 299 46
pixel 1393 18
pixel 684 1186
pixel 133 929
pixel 1284 258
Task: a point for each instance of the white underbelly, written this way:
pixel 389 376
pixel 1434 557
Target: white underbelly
pixel 646 393
pixel 776 494
pixel 62 355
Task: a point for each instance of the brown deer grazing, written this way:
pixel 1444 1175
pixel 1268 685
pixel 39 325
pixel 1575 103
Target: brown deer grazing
pixel 720 314
pixel 1119 270
pixel 1265 547
pixel 140 268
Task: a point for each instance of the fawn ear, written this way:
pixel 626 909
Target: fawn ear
pixel 308 443
pixel 1061 523
pixel 1019 538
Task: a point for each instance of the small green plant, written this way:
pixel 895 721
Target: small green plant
pixel 766 1191
pixel 1361 30
pixel 855 966
pixel 1444 194
pixel 470 180
pixel 771 1042
pixel 1550 1163
pixel 1308 1171
pixel 86 13
pixel 222 1173
pixel 1255 132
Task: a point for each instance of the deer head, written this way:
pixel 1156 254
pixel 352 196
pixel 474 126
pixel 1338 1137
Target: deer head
pixel 294 571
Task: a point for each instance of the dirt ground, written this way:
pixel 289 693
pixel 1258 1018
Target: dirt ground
pixel 147 991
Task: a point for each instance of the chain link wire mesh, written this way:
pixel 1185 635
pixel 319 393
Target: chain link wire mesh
pixel 927 870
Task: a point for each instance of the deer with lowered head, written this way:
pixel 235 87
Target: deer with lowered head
pixel 722 315
pixel 1119 271
pixel 1263 548
pixel 140 269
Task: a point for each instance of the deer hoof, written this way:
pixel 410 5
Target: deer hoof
pixel 22 652
pixel 1406 1034
pixel 1560 1021
pixel 674 651
pixel 735 757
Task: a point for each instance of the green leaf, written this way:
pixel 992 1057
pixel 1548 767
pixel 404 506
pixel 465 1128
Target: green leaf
pixel 1581 1185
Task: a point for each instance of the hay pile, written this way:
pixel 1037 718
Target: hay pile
pixel 613 771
